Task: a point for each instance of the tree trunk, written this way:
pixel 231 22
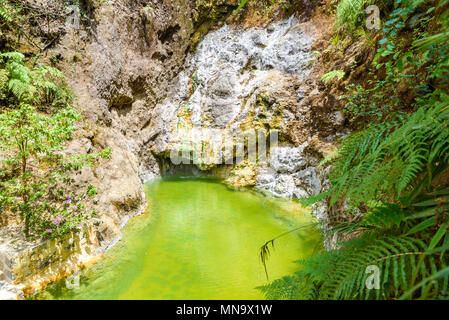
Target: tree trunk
pixel 25 197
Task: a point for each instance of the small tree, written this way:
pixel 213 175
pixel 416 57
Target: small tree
pixel 30 142
pixel 33 167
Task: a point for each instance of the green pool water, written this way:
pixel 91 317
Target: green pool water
pixel 197 240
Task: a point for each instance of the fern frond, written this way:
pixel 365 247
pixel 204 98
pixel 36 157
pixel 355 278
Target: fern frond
pixel 342 274
pixel 43 85
pixel 387 158
pixel 328 77
pixel 12 56
pixel 6 12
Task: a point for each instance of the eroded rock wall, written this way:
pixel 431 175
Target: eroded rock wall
pixel 245 79
pixel 119 56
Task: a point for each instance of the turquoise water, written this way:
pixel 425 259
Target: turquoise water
pixel 197 240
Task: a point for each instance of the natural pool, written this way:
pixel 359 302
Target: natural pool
pixel 197 240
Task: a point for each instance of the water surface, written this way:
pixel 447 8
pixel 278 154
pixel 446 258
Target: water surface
pixel 197 240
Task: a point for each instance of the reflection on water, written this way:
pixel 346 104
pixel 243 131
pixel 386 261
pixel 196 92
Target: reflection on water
pixel 198 240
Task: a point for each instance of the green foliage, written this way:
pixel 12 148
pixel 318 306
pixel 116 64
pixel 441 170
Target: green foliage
pixel 91 191
pixel 31 140
pixel 241 5
pixel 350 14
pixel 41 85
pixel 393 172
pixel 405 263
pixel 366 105
pixel 34 169
pixel 386 158
pixel 8 12
pixel 381 161
pixel 427 59
pixel 266 3
pixel 441 274
pixel 10 15
pixel 341 274
pixel 328 77
pixel 290 288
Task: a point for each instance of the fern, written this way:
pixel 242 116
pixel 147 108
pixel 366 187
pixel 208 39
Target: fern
pixel 5 15
pixel 328 77
pixel 13 56
pixel 439 275
pixel 6 11
pixel 386 158
pixel 43 85
pixel 3 83
pixel 394 173
pixel 386 243
pixel 348 13
pixel 341 274
pixel 290 288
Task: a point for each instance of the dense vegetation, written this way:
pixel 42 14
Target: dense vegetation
pixel 392 171
pixel 36 120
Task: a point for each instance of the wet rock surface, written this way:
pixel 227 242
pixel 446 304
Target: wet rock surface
pixel 230 67
pixel 242 79
pixel 289 175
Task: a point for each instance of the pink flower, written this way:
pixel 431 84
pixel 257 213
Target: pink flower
pixel 57 220
pixel 48 230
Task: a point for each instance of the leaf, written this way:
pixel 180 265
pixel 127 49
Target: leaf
pixel 432 202
pixel 242 4
pixel 328 77
pixel 438 275
pixel 423 225
pixel 422 214
pixel 440 192
pixel 438 236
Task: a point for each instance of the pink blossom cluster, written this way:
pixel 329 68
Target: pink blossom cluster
pixel 57 220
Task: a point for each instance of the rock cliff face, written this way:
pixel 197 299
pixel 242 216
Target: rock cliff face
pixel 237 79
pixel 146 70
pixel 240 80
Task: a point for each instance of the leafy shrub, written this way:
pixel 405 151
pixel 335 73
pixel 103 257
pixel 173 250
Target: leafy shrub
pixel 8 11
pixel 328 77
pixel 31 142
pixel 42 85
pixel 393 172
pixel 350 14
